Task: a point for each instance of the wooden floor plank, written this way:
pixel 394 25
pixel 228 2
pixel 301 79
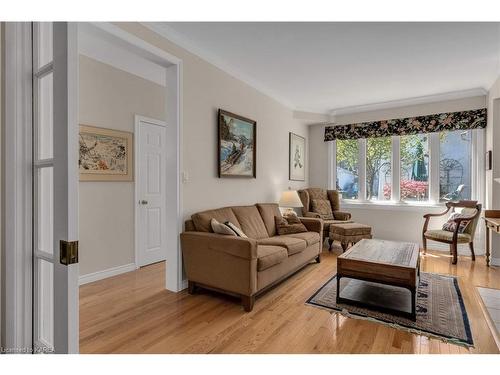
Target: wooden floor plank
pixel 133 313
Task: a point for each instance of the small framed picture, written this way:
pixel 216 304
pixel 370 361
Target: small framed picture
pixel 297 158
pixel 488 160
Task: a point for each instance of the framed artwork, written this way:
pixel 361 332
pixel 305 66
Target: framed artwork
pixel 105 154
pixel 297 158
pixel 236 151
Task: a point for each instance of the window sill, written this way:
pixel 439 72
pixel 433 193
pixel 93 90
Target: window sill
pixel 391 206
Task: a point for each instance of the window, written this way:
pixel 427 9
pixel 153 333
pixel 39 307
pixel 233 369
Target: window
pixel 414 178
pixel 378 168
pixel 347 168
pixel 414 169
pixel 455 165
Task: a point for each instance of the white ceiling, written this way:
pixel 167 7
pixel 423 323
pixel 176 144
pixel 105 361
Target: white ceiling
pixel 320 67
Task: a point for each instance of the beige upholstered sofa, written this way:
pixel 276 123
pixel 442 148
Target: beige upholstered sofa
pixel 339 217
pixel 245 267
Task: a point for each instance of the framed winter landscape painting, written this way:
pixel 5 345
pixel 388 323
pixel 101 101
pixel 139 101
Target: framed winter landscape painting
pixel 105 154
pixel 236 145
pixel 297 158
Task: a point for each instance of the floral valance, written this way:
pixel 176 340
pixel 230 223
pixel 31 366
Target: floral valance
pixel 474 119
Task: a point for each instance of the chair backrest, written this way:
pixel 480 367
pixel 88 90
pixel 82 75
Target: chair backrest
pixel 307 195
pixel 468 208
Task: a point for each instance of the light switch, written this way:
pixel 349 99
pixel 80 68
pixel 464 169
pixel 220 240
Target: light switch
pixel 185 177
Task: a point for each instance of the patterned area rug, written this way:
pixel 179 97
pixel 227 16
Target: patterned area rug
pixel 440 308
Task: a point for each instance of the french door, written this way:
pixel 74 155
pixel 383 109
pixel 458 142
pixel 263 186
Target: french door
pixel 55 187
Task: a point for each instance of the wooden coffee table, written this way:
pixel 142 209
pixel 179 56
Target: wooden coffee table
pixel 383 262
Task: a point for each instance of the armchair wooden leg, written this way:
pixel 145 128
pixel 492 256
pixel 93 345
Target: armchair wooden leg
pixel 344 245
pixel 318 258
pixel 247 302
pixel 424 242
pixel 454 254
pixel 471 246
pixel 330 243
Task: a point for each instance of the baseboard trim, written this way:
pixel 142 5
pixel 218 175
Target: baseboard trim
pixel 495 261
pixel 104 274
pixel 184 284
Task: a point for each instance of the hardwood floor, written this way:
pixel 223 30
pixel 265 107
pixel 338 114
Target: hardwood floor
pixel 132 313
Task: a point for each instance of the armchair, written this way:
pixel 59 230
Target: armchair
pixel 307 195
pixel 471 212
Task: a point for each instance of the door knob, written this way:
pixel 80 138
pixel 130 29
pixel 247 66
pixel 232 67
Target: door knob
pixel 143 202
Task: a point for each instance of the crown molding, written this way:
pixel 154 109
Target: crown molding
pixel 410 101
pixel 177 38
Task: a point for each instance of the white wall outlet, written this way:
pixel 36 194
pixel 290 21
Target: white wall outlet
pixel 185 177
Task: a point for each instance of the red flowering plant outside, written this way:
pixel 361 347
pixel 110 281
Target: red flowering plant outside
pixel 409 189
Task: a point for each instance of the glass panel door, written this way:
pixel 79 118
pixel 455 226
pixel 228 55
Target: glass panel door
pixel 55 187
pixel 43 189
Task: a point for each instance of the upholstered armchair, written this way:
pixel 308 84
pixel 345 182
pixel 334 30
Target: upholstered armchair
pixel 471 211
pixel 332 196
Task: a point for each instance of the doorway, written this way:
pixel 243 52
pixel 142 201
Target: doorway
pixel 150 193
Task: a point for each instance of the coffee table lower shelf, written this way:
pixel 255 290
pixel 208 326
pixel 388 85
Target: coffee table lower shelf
pixel 413 291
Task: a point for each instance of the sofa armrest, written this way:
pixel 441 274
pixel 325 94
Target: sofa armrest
pixel 312 224
pixel 312 214
pixel 223 262
pixel 245 248
pixel 340 215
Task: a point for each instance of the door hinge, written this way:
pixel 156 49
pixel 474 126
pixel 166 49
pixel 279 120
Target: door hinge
pixel 68 253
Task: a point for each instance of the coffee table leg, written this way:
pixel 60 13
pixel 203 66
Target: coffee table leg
pixel 414 304
pixel 338 288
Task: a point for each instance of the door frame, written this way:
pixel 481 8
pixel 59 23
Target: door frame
pixel 137 123
pixel 16 192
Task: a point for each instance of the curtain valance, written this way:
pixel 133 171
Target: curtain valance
pixel 474 119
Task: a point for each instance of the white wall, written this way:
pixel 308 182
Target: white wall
pixel 110 98
pixel 1 175
pixel 493 143
pixel 388 223
pixel 206 88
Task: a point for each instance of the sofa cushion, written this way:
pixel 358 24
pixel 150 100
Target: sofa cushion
pixel 268 211
pixel 292 245
pixel 317 193
pixel 288 225
pixel 201 220
pixel 221 228
pixel 323 208
pixel 310 237
pixel 268 256
pixel 250 221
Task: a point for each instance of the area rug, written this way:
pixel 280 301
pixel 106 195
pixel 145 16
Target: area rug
pixel 440 307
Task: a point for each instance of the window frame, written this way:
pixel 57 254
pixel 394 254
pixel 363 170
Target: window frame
pixel 477 172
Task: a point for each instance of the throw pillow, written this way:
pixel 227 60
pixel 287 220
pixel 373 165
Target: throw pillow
pixel 323 208
pixel 221 228
pixel 450 225
pixel 288 225
pixel 235 229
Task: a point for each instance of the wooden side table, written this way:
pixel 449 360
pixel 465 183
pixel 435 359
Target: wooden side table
pixel 492 222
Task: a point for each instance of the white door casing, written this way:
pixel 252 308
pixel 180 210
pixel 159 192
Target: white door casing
pixel 150 190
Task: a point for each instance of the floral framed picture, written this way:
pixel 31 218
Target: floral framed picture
pixel 237 145
pixel 105 154
pixel 297 158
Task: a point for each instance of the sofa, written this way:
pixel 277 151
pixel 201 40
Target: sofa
pixel 339 217
pixel 246 267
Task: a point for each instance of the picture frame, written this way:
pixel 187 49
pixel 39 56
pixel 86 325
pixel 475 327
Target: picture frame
pixel 236 146
pixel 296 157
pixel 105 154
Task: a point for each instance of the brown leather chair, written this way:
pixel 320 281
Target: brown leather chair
pixel 307 195
pixel 471 211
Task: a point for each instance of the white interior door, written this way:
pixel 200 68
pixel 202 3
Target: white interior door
pixel 150 228
pixel 55 187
